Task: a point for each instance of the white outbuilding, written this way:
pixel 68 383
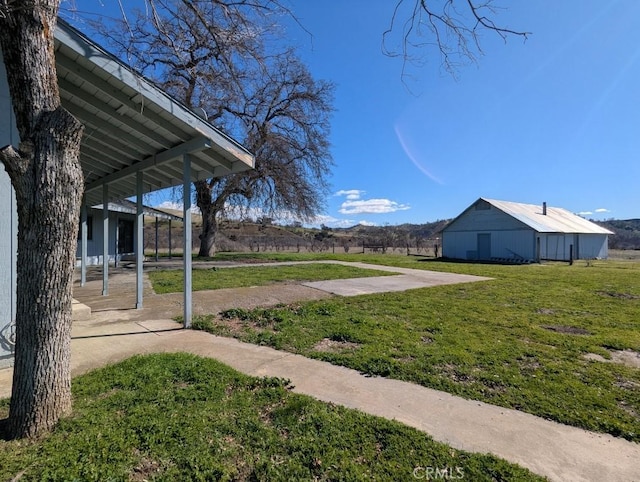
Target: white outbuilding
pixel 491 230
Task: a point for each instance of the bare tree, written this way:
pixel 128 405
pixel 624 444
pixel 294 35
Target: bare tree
pixel 47 178
pixel 452 27
pixel 284 115
pixel 216 56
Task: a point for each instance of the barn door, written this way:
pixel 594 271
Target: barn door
pixel 484 245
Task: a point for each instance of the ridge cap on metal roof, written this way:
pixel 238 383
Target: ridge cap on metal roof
pixel 552 213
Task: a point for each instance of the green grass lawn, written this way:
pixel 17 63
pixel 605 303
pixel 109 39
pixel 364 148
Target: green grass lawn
pixel 171 281
pixel 181 417
pixel 517 341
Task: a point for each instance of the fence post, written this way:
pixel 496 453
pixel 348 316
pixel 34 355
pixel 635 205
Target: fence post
pixel 571 255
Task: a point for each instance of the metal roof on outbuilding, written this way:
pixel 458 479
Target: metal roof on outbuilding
pixel 129 207
pixel 131 125
pixel 556 220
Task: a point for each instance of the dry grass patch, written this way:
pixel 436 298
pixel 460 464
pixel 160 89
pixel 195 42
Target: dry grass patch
pixel 628 358
pixel 327 345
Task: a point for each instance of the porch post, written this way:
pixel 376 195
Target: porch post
pixel 186 252
pixel 139 240
pixel 170 257
pixel 156 238
pixel 83 243
pixel 105 239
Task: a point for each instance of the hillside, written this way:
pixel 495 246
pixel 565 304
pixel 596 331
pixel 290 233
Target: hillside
pixel 627 233
pixel 416 238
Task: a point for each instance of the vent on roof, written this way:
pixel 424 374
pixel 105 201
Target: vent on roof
pixel 544 209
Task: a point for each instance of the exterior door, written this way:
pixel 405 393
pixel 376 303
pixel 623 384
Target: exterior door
pixel 484 245
pixel 125 236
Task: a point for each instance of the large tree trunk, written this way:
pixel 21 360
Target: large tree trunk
pixel 46 175
pixel 209 219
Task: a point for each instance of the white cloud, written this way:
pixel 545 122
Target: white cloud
pixel 594 212
pixel 367 223
pixel 177 206
pixel 372 206
pixel 351 194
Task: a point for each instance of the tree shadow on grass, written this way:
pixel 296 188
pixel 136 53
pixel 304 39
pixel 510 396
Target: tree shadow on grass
pixel 4 429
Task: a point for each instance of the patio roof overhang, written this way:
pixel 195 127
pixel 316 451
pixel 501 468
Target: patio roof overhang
pixel 137 139
pixel 133 126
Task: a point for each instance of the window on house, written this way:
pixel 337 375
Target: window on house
pixel 89 229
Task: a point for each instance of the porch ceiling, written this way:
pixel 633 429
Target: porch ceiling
pixel 131 125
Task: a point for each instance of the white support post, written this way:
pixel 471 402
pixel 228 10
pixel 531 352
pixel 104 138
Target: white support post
pixel 139 240
pixel 186 251
pixel 170 238
pixel 83 244
pixel 105 239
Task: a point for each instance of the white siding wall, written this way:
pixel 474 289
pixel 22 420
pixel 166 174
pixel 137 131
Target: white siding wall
pixel 593 246
pixel 504 244
pixel 509 237
pixel 95 246
pixel 8 245
pixel 8 228
pixel 459 245
pixel 485 220
pixel 557 246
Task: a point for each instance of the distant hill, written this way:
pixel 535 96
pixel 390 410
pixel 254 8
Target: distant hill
pixel 627 233
pixel 249 236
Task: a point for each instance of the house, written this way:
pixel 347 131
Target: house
pixel 137 139
pixel 122 232
pixel 515 232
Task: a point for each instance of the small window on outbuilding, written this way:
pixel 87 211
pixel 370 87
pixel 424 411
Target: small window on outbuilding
pixel 482 205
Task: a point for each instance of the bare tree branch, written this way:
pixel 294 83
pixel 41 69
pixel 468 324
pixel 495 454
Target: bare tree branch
pixel 217 55
pixel 452 27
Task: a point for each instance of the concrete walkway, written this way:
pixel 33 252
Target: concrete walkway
pixel 557 451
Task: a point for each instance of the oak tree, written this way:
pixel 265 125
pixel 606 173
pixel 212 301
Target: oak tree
pixel 225 58
pixel 47 178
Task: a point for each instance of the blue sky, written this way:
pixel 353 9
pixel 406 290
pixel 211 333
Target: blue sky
pixel 555 118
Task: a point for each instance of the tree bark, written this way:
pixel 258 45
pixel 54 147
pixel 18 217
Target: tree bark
pixel 209 219
pixel 47 178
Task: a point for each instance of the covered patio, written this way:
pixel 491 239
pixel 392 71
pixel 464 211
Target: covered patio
pixel 137 140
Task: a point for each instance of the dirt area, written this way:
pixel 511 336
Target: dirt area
pixel 629 358
pixel 120 303
pixel 568 330
pixel 327 345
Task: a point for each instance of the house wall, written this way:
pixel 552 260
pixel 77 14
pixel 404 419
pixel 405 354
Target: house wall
pixel 8 253
pixel 95 245
pixel 8 228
